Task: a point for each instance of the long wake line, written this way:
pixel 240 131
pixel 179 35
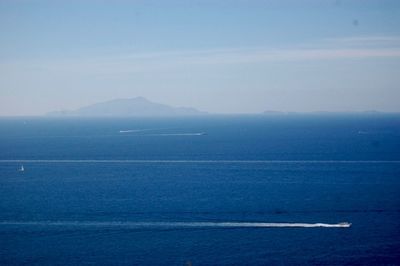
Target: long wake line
pixel 127 225
pixel 197 161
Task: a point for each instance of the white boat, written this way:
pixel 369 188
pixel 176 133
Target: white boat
pixel 345 224
pixel 21 169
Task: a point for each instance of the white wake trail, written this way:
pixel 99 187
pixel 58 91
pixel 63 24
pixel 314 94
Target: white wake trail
pixel 116 224
pixel 137 130
pixel 178 134
pixel 138 161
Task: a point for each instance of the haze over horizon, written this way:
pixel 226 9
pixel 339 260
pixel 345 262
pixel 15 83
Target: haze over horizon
pixel 220 57
pixel 140 106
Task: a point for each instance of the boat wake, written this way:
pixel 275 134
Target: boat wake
pixel 197 161
pixel 127 225
pixel 178 134
pixel 136 130
pixel 160 134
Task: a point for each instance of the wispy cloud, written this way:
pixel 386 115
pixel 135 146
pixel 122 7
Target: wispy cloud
pixel 363 47
pixel 363 41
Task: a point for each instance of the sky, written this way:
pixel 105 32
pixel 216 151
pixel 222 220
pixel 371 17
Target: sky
pixel 216 56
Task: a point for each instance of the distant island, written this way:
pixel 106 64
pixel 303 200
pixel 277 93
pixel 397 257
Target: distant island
pixel 368 112
pixel 142 107
pixel 138 106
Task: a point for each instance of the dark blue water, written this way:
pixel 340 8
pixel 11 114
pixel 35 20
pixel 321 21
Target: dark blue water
pixel 86 186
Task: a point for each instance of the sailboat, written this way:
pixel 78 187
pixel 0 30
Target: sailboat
pixel 21 169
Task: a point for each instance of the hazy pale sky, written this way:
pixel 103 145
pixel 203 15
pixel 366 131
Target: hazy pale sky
pixel 217 56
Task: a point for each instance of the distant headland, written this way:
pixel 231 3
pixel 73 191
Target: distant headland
pixel 142 107
pixel 138 106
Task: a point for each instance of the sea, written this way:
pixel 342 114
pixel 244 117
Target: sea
pixel 316 189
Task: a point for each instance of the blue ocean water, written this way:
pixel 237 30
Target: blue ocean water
pixel 133 191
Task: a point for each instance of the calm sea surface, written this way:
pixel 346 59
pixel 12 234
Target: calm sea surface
pixel 221 190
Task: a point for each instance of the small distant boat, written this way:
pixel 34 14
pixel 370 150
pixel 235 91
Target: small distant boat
pixel 22 169
pixel 345 224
